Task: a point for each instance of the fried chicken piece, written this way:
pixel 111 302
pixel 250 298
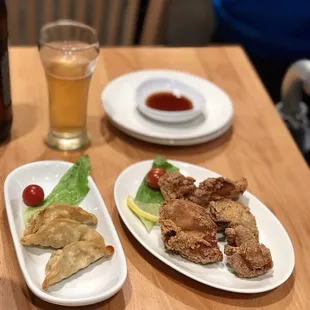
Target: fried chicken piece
pixel 239 235
pixel 188 230
pixel 229 213
pixel 250 260
pixel 174 185
pixel 213 189
pixel 245 255
pixel 235 237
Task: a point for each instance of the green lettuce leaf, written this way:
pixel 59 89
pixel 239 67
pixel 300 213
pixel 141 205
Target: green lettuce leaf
pixel 160 162
pixel 147 195
pixel 71 188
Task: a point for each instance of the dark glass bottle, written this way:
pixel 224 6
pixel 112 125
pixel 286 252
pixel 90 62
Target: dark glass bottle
pixel 5 92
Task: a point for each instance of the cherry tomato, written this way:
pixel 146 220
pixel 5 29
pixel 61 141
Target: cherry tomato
pixel 153 176
pixel 33 195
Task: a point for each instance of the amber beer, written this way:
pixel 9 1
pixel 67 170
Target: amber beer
pixel 68 83
pixel 5 94
pixel 69 52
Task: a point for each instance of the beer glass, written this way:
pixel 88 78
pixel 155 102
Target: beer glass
pixel 69 52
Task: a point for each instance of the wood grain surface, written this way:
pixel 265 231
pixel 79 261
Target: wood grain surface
pixel 258 147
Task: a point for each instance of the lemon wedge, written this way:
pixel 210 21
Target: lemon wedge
pixel 142 213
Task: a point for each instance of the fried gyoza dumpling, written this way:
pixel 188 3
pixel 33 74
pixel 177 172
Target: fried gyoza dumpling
pixel 56 234
pixel 92 235
pixel 72 258
pixel 59 210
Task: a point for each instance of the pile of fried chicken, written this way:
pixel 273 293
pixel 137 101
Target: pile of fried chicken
pixel 191 215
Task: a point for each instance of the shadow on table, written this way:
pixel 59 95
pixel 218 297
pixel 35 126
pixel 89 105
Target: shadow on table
pixel 115 302
pixel 15 295
pixel 98 132
pixel 98 135
pixel 51 154
pixel 207 292
pixel 96 139
pixel 3 147
pixel 102 132
pixel 24 119
pixel 130 145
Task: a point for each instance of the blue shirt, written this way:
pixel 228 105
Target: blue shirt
pixel 274 29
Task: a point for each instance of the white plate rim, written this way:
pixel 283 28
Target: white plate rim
pixel 16 240
pixel 168 263
pixel 201 137
pixel 176 142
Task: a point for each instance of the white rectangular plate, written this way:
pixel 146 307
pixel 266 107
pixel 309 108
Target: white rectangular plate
pixel 95 283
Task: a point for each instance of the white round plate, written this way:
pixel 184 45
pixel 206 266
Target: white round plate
pixel 272 234
pixel 119 103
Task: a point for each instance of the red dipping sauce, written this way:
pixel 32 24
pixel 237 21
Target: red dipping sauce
pixel 166 101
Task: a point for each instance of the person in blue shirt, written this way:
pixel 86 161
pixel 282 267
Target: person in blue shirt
pixel 274 33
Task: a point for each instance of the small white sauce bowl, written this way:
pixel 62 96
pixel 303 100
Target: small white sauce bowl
pixel 157 85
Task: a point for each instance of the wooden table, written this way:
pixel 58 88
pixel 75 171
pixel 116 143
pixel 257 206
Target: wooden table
pixel 258 147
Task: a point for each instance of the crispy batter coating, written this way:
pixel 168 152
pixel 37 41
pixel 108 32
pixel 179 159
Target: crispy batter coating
pixel 174 185
pixel 251 259
pixel 188 216
pixel 213 189
pixel 245 255
pixel 229 213
pixel 239 235
pixel 188 230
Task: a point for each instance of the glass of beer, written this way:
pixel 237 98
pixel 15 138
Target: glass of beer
pixel 69 52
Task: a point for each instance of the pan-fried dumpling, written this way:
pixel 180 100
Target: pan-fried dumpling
pixel 72 258
pixel 92 235
pixel 57 234
pixel 59 210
